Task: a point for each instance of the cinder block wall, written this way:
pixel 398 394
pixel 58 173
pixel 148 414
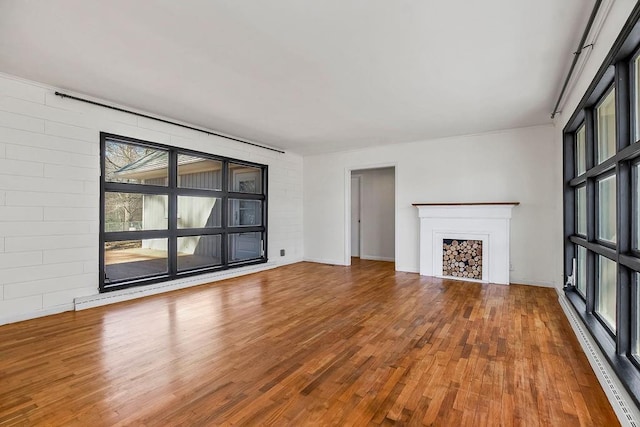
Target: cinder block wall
pixel 49 194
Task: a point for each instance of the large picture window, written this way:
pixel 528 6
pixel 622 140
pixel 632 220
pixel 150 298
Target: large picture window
pixel 602 207
pixel 168 212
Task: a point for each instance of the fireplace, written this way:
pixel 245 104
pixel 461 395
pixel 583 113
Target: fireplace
pixel 485 225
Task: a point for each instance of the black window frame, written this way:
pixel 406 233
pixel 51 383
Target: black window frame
pixel 617 70
pixel 172 233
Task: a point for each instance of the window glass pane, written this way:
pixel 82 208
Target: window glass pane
pixel 245 179
pixel 244 246
pixel 607 209
pixel 133 259
pixel 581 151
pixel 636 202
pixel 581 271
pixel 198 172
pixel 636 83
pixel 606 114
pixel 135 211
pixel 245 213
pixel 135 164
pixel 581 210
pixel 635 346
pixel 199 251
pixel 606 291
pixel 199 212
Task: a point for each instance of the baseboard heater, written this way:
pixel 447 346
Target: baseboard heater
pixel 620 400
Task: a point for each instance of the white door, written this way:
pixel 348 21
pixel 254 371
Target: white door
pixel 355 216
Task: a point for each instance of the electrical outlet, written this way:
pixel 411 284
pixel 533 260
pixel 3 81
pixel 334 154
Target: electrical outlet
pixel 281 252
pixel 510 267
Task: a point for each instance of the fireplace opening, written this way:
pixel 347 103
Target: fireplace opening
pixel 462 258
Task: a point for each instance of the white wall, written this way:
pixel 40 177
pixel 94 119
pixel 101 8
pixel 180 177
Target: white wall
pixel 378 214
pixel 513 165
pixel 49 194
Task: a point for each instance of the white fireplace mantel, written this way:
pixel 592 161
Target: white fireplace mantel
pixel 488 222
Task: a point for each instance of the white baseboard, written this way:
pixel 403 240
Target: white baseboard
pixel 98 300
pixel 287 261
pixel 532 283
pixel 628 414
pixel 377 258
pixel 324 261
pixel 407 269
pixel 35 314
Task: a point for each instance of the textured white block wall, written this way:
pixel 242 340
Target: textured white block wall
pixel 49 194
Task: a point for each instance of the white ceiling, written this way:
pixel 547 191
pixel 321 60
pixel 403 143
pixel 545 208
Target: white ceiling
pixel 306 76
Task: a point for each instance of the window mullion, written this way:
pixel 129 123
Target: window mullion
pixel 173 213
pixel 591 209
pixel 623 228
pixel 225 213
pixel 624 276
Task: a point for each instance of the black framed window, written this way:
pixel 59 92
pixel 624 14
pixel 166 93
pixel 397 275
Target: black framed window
pixel 168 212
pixel 602 206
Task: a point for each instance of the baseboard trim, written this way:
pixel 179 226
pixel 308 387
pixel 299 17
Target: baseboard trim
pixel 622 404
pixel 528 283
pixel 407 269
pixel 377 258
pixel 98 300
pixel 35 314
pixel 325 261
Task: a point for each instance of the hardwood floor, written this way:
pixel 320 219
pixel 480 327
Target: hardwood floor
pixel 306 344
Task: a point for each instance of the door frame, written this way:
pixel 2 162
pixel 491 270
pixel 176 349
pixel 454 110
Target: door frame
pixel 359 178
pixel 347 207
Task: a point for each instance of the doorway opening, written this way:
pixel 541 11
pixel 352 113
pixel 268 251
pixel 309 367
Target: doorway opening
pixel 372 214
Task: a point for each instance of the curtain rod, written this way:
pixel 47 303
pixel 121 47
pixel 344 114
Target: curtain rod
pixel 576 54
pixel 111 107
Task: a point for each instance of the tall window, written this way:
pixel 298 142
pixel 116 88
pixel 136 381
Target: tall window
pixel 602 208
pixel 168 212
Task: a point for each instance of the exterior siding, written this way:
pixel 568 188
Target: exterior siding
pixel 207 180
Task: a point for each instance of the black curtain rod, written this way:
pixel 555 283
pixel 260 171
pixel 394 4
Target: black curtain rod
pixel 576 54
pixel 111 107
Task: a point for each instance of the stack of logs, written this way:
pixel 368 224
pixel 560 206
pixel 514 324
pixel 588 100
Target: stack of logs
pixel 462 258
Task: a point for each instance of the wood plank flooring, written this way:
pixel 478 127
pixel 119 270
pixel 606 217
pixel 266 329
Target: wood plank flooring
pixel 306 344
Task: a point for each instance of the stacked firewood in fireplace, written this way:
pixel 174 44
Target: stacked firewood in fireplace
pixel 462 258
